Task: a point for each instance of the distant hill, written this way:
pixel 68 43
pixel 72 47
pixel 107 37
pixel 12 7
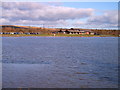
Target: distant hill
pixel 17 26
pixel 26 29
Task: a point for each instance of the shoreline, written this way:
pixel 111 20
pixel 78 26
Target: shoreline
pixel 45 35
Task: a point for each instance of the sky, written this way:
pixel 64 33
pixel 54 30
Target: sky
pixel 60 0
pixel 103 15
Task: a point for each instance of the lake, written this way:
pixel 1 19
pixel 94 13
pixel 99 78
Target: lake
pixel 60 62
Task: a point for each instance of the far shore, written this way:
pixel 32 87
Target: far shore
pixel 57 35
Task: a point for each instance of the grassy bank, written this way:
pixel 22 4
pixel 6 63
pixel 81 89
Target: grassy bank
pixel 57 35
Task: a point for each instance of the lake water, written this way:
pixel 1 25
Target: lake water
pixel 60 62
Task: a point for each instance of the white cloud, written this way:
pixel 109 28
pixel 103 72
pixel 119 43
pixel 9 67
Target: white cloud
pixel 31 13
pixel 38 12
pixel 3 20
pixel 108 19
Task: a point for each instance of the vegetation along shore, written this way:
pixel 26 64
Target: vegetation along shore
pixel 23 31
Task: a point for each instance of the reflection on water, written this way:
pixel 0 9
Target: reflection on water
pixel 60 62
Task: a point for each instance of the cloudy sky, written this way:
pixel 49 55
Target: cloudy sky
pixel 61 14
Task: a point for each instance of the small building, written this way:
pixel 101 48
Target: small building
pixel 27 33
pixel 87 32
pixel 63 32
pixel 12 32
pixel 92 33
pixel 74 31
pixel 7 33
pixel 82 32
pixel 60 31
pixel 16 33
pixel 1 33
